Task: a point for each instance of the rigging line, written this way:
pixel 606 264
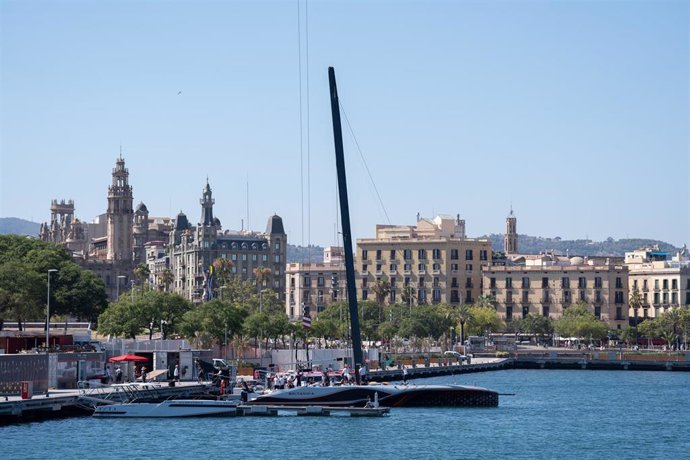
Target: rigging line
pixel 301 140
pixel 347 120
pixel 306 24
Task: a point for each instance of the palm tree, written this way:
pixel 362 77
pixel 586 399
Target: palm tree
pixel 485 301
pixel 222 269
pixel 141 274
pixel 261 274
pixel 408 296
pixel 463 315
pixel 381 288
pixel 164 279
pixel 635 303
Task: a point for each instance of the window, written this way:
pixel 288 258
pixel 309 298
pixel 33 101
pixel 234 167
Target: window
pixel 545 311
pixel 378 254
pixel 276 259
pixel 454 268
pixel 378 268
pixel 565 282
pixel 582 282
pixel 525 296
pixel 619 282
pixel 674 298
pixel 567 299
pixel 364 269
pixel 483 254
pixel 509 283
pixel 509 313
pixel 277 246
pixel 619 297
pixel 468 296
pixel 421 254
pixel 468 283
pixel 421 296
pixel 509 297
pixel 393 268
pixel 407 254
pixel 525 282
pixel 492 283
pixel 544 282
pixel 244 257
pixel 619 313
pixel 597 282
pixel 320 281
pixel 365 254
pixel 454 282
pixel 656 298
pixel 665 284
pixel 393 280
pixel 597 296
pixel 597 312
pixel 436 295
pixel 392 296
pixel 453 254
pixel 421 268
pixel 392 254
pixel 674 284
pixel 421 281
pixel 264 257
pixel 364 283
pixel 582 296
pixel 436 267
pixel 436 281
pixel 454 297
pixel 365 294
pixel 468 254
pixel 319 296
pixel 436 253
pixel 407 268
pixel 407 281
pixel 525 311
pixel 656 284
pixel 306 281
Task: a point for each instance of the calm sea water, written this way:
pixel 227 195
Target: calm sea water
pixel 554 415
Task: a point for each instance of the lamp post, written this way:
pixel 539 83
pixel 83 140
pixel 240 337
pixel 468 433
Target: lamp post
pixel 452 342
pixel 119 277
pixel 48 311
pixel 132 289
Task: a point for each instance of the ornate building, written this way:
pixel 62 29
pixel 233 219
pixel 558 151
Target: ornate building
pixel 192 250
pixel 510 239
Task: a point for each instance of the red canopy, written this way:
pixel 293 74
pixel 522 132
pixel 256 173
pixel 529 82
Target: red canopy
pixel 121 358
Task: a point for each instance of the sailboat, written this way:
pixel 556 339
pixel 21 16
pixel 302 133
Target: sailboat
pixel 360 395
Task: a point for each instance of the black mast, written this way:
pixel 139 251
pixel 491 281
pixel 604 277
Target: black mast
pixel 345 217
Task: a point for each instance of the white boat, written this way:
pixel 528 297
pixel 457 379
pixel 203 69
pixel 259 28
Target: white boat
pixel 169 408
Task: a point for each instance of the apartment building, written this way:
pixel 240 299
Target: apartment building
pixel 430 262
pixel 547 285
pixel 662 279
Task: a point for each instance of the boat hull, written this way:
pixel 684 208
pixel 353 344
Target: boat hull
pixel 388 396
pixel 172 408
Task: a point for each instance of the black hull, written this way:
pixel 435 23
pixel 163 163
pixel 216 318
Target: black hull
pixel 388 396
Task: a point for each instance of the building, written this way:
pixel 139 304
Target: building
pixel 313 286
pixel 510 239
pixel 430 262
pixel 547 285
pixel 662 280
pixel 192 250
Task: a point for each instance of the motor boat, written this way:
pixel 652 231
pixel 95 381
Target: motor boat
pixel 169 408
pixel 387 396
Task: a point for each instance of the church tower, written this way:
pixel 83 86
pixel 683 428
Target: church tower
pixel 207 203
pixel 510 240
pixel 120 214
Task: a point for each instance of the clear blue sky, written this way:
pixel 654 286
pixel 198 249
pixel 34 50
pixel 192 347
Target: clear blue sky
pixel 577 113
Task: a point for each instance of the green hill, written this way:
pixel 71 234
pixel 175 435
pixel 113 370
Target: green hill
pixel 610 247
pixel 16 226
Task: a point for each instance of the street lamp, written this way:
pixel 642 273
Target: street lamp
pixel 48 311
pixel 119 277
pixel 132 289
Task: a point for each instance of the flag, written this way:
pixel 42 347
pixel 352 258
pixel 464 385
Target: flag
pixel 306 322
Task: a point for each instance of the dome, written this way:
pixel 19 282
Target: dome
pixel 216 222
pixel 181 222
pixel 577 260
pixel 142 208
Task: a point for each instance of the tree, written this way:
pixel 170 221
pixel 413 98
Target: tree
pixel 381 289
pixel 222 269
pixel 463 315
pixel 261 274
pixel 538 325
pixel 486 301
pixel 165 279
pixel 635 302
pixel 22 292
pixel 408 296
pixel 484 320
pixel 578 321
pixel 141 274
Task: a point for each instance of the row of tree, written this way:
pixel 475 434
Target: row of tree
pixel 24 272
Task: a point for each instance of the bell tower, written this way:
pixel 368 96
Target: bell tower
pixel 510 240
pixel 120 214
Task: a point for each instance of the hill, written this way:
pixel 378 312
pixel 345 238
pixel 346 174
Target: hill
pixel 16 226
pixel 609 247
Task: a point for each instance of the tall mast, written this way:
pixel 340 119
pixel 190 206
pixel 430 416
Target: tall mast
pixel 345 218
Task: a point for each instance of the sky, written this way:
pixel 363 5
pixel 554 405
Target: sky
pixel 575 113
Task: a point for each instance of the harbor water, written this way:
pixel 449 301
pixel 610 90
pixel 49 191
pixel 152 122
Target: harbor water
pixel 554 414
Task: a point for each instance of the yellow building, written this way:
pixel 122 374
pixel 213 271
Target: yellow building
pixel 313 286
pixel 431 262
pixel 547 285
pixel 662 280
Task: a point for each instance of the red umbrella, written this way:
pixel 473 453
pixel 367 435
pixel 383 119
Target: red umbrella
pixel 123 358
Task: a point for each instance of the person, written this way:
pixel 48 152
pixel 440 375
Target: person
pixel 143 374
pixel 176 373
pixel 108 375
pixel 404 372
pixel 200 375
pixel 363 374
pixel 299 378
pixel 325 380
pixel 346 375
pixel 118 375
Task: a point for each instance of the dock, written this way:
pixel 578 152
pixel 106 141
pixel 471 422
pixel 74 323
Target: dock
pixel 312 411
pixel 69 403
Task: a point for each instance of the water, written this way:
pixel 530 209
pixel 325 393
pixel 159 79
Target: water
pixel 554 415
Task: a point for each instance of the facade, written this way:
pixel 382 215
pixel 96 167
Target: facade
pixel 545 285
pixel 114 243
pixel 313 286
pixel 662 280
pixel 431 262
pixel 192 250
